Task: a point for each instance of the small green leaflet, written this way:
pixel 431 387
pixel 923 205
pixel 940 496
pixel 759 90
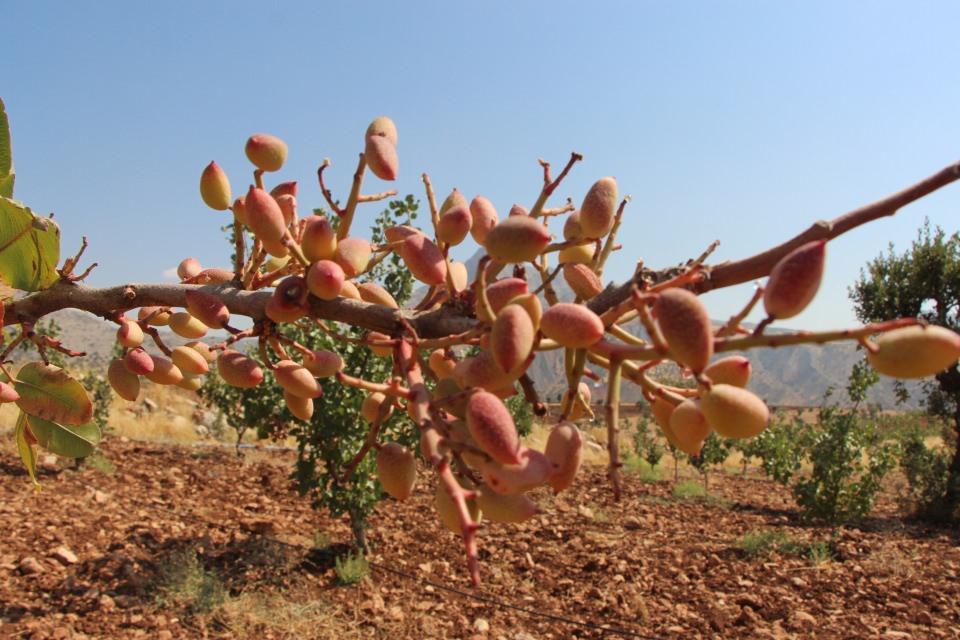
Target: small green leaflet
pixel 27 454
pixel 70 442
pixel 29 247
pixel 7 175
pixel 48 392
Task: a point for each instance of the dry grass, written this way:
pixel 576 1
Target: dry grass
pixel 253 615
pixel 170 422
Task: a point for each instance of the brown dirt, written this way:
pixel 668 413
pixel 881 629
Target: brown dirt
pixel 653 565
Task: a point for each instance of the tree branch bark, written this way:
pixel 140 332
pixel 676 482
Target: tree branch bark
pixel 727 274
pixel 108 302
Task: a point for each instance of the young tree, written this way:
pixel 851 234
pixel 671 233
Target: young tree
pixel 290 275
pixel 922 282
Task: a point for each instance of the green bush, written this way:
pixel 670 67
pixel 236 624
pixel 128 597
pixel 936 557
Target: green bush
pixel 848 456
pixel 927 472
pixel 646 444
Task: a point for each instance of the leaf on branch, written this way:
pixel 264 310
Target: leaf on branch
pixel 27 454
pixel 7 175
pixel 48 392
pixel 77 441
pixel 29 247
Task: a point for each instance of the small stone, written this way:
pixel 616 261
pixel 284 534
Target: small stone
pixel 49 462
pixel 803 619
pixel 586 512
pixel 29 566
pixel 106 603
pixel 481 625
pixel 100 497
pixel 896 635
pixel 64 555
pixel 164 634
pixel 798 582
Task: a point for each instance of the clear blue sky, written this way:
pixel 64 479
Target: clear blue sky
pixel 742 122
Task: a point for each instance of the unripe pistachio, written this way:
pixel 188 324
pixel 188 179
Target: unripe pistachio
pixel 238 370
pixel 189 361
pixel 517 239
pixel 129 334
pixel 511 338
pixel 280 308
pixel 266 152
pixel 375 294
pixel 190 383
pixel 492 427
pixel 208 309
pixel 532 471
pixel 239 209
pixel 188 268
pixel 323 364
pixel 455 199
pixel 319 241
pixel 124 383
pixel 186 326
pixel 285 188
pixel 598 208
pixel 295 378
pixel 138 362
pixel 382 351
pixel 349 290
pixel 501 292
pixel 164 372
pixel 215 187
pixel 447 508
pixel 518 210
pixel 734 412
pixel 325 279
pixel 685 324
pixel 353 256
pixel 571 325
pixel 158 319
pixel 689 426
pixel 264 216
pixel 794 281
pixel 381 155
pixel 484 217
pixel 301 408
pixel 396 470
pixel 577 254
pixel 531 304
pixel 371 407
pixel 459 275
pixel 203 349
pixel 288 207
pixel 441 365
pixel 454 225
pixel 571 227
pixel 582 280
pixel 383 126
pixel 564 451
pixel 9 394
pixel 733 370
pixel 424 259
pixel 915 352
pixel 507 509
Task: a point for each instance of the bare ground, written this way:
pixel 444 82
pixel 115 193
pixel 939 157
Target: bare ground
pixel 188 542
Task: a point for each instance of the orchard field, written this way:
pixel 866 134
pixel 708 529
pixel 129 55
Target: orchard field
pixel 166 539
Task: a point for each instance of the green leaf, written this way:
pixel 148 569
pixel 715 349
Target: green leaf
pixel 50 393
pixel 70 442
pixel 7 175
pixel 27 454
pixel 29 247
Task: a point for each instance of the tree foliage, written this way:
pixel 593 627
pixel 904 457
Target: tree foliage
pixel 923 282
